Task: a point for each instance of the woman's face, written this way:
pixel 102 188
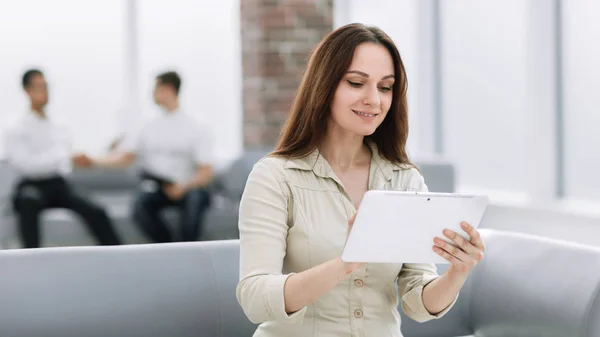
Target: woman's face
pixel 364 95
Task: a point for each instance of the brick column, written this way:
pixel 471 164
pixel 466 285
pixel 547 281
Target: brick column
pixel 277 38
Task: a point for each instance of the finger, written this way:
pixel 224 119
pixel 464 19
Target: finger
pixel 452 250
pixel 351 220
pixel 462 266
pixel 465 245
pixel 445 255
pixel 350 224
pixel 476 239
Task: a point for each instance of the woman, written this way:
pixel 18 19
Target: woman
pixel 346 134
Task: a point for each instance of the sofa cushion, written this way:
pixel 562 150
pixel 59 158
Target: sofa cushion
pixel 98 179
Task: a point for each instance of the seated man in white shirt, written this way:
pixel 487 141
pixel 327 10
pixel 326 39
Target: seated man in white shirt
pixel 174 154
pixel 40 152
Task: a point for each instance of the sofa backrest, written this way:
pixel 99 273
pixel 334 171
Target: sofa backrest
pixel 439 174
pixel 534 286
pixel 8 178
pixel 232 181
pixel 180 289
pixel 526 286
pixel 105 180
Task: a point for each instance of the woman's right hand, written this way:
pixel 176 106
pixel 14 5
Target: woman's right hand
pixel 349 267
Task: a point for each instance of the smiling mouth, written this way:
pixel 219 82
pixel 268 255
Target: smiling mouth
pixel 364 114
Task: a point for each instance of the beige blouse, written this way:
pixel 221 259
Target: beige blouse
pixel 293 216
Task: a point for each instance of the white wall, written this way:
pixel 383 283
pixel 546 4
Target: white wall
pixel 85 50
pixel 79 45
pixel 483 87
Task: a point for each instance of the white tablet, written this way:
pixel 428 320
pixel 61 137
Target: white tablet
pixel 399 227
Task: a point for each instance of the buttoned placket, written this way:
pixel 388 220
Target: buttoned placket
pixel 357 281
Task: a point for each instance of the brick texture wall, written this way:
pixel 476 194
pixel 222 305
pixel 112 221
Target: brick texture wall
pixel 277 38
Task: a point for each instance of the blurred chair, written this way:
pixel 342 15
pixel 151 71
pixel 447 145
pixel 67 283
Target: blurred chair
pixel 8 179
pixel 439 174
pixel 222 219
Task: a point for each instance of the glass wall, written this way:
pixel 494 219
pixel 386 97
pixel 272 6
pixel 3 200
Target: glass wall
pixel 581 82
pixel 483 86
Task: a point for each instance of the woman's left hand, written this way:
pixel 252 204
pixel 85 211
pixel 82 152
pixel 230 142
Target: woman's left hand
pixel 463 255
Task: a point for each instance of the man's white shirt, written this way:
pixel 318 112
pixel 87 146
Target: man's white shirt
pixel 36 147
pixel 171 146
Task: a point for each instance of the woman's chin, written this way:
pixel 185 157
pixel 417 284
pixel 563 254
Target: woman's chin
pixel 363 131
pixel 360 130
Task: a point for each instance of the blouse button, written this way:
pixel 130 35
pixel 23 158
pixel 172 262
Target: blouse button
pixel 358 313
pixel 358 282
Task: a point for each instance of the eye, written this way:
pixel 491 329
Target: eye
pixel 355 84
pixel 385 89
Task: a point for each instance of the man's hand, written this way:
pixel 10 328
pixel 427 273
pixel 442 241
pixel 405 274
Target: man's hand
pixel 174 191
pixel 81 160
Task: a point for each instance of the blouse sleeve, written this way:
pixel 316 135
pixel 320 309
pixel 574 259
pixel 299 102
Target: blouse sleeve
pixel 263 225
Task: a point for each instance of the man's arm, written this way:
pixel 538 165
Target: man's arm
pixel 122 157
pixel 115 160
pixel 202 178
pixel 204 157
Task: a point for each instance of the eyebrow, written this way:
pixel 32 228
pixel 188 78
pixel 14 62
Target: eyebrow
pixel 363 74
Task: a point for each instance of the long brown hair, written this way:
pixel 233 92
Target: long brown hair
pixel 307 122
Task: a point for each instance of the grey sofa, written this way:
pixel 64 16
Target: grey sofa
pixel 115 190
pixel 110 188
pixel 526 286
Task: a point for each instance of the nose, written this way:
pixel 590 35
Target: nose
pixel 371 96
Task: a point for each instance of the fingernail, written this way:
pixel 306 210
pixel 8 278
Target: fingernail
pixel 447 231
pixel 464 225
pixel 438 241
